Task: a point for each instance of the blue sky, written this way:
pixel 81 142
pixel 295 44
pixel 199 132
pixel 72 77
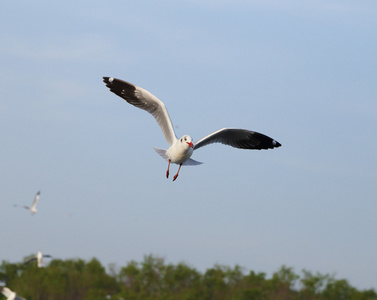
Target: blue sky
pixel 302 72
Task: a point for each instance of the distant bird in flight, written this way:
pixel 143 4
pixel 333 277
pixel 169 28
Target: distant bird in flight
pixel 10 294
pixel 38 258
pixel 180 150
pixel 33 207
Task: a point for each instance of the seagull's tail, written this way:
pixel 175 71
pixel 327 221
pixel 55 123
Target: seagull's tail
pixel 162 153
pixel 189 162
pixel 192 162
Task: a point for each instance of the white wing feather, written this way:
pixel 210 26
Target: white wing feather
pixel 143 99
pixel 35 200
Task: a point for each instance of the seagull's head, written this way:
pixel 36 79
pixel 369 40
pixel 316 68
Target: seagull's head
pixel 186 140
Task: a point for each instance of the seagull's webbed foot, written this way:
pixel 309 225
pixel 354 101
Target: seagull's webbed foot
pixel 176 175
pixel 167 171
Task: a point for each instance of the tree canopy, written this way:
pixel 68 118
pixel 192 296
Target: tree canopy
pixel 76 279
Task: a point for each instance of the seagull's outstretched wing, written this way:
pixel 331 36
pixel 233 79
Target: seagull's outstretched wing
pixel 238 138
pixel 10 294
pixel 23 206
pixel 30 259
pixel 6 292
pixel 35 200
pixel 143 99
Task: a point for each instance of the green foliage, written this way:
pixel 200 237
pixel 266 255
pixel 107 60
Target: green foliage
pixel 154 279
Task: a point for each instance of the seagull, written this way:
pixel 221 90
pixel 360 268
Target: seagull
pixel 38 258
pixel 10 294
pixel 33 207
pixel 180 150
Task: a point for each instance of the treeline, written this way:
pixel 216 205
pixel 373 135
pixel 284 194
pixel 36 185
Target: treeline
pixel 152 278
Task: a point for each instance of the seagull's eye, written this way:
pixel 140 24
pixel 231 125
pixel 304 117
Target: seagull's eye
pixel 185 139
pixel 181 140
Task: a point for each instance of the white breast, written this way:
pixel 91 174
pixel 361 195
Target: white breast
pixel 178 153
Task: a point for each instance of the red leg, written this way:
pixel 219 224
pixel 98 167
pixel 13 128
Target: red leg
pixel 176 175
pixel 167 172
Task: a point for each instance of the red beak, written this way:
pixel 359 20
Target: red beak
pixel 190 144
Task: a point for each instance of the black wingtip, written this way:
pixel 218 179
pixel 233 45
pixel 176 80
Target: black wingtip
pixel 261 141
pixel 121 88
pixel 106 80
pixel 109 81
pixel 276 144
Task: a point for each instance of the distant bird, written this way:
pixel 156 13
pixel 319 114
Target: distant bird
pixel 38 258
pixel 10 294
pixel 33 207
pixel 180 150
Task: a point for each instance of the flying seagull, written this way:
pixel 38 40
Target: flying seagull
pixel 180 150
pixel 10 294
pixel 33 207
pixel 38 258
